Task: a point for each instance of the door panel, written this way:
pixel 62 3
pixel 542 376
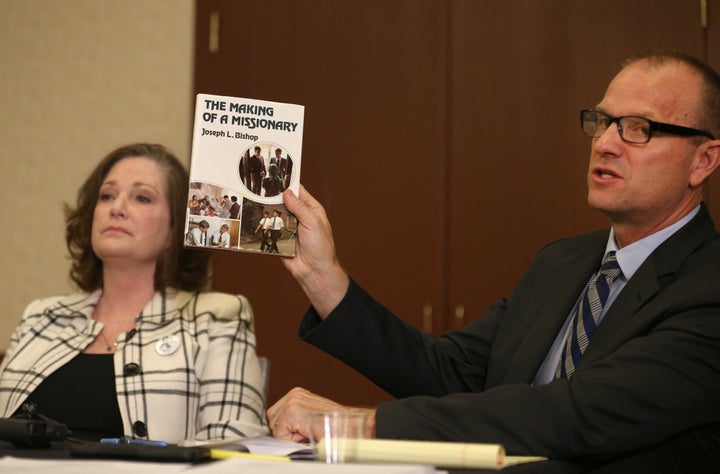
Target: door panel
pixel 371 75
pixel 521 72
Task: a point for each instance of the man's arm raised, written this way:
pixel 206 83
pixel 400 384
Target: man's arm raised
pixel 315 265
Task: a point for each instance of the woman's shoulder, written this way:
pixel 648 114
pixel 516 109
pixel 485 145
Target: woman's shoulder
pixel 217 304
pixel 68 304
pixel 230 302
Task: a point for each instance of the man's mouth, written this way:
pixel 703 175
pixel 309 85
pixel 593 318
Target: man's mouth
pixel 605 174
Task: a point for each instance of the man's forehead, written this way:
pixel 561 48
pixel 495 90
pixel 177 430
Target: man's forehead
pixel 653 90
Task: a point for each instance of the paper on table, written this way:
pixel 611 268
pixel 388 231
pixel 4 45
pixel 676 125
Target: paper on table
pixel 259 445
pixel 443 454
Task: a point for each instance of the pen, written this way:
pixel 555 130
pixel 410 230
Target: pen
pixel 224 454
pixel 142 442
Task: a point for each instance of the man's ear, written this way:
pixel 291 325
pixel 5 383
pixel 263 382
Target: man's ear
pixel 707 159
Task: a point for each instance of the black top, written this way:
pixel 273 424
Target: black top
pixel 81 395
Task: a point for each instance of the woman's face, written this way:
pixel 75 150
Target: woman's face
pixel 131 223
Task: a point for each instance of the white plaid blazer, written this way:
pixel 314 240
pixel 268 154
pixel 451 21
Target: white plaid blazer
pixel 209 387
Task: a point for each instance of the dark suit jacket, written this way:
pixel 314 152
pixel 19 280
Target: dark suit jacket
pixel 644 396
pixel 234 210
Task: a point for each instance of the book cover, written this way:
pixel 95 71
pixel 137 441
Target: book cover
pixel 245 153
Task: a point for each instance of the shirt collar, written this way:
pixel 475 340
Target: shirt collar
pixel 631 257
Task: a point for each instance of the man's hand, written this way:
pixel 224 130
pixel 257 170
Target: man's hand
pixel 315 265
pixel 288 417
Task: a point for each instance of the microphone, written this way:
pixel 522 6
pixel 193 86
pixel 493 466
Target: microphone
pixel 32 429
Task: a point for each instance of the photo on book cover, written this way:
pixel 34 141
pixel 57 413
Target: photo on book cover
pixel 245 153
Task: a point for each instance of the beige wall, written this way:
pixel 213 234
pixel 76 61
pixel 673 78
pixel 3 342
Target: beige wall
pixel 77 79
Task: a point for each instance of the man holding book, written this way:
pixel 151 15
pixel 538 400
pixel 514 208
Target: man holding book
pixel 606 354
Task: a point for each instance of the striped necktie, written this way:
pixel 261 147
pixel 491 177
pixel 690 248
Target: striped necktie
pixel 586 318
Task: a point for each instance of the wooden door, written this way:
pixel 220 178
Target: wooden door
pixel 371 75
pixel 711 26
pixel 442 137
pixel 521 72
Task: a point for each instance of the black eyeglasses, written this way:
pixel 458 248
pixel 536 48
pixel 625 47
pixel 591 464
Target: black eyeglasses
pixel 632 129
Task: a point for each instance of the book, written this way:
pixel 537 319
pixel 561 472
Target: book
pixel 245 153
pixel 437 453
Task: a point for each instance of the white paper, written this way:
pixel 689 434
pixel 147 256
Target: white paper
pixel 259 445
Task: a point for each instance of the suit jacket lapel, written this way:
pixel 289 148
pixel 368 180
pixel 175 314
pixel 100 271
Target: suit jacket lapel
pixel 659 268
pixel 571 271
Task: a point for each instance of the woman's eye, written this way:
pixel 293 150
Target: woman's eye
pixel 105 197
pixel 143 199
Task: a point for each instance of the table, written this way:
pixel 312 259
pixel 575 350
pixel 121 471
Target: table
pixel 60 452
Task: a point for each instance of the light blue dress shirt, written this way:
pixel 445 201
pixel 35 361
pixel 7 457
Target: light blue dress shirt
pixel 629 258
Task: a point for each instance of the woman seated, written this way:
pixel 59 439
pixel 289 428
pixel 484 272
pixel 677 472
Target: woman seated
pixel 143 351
